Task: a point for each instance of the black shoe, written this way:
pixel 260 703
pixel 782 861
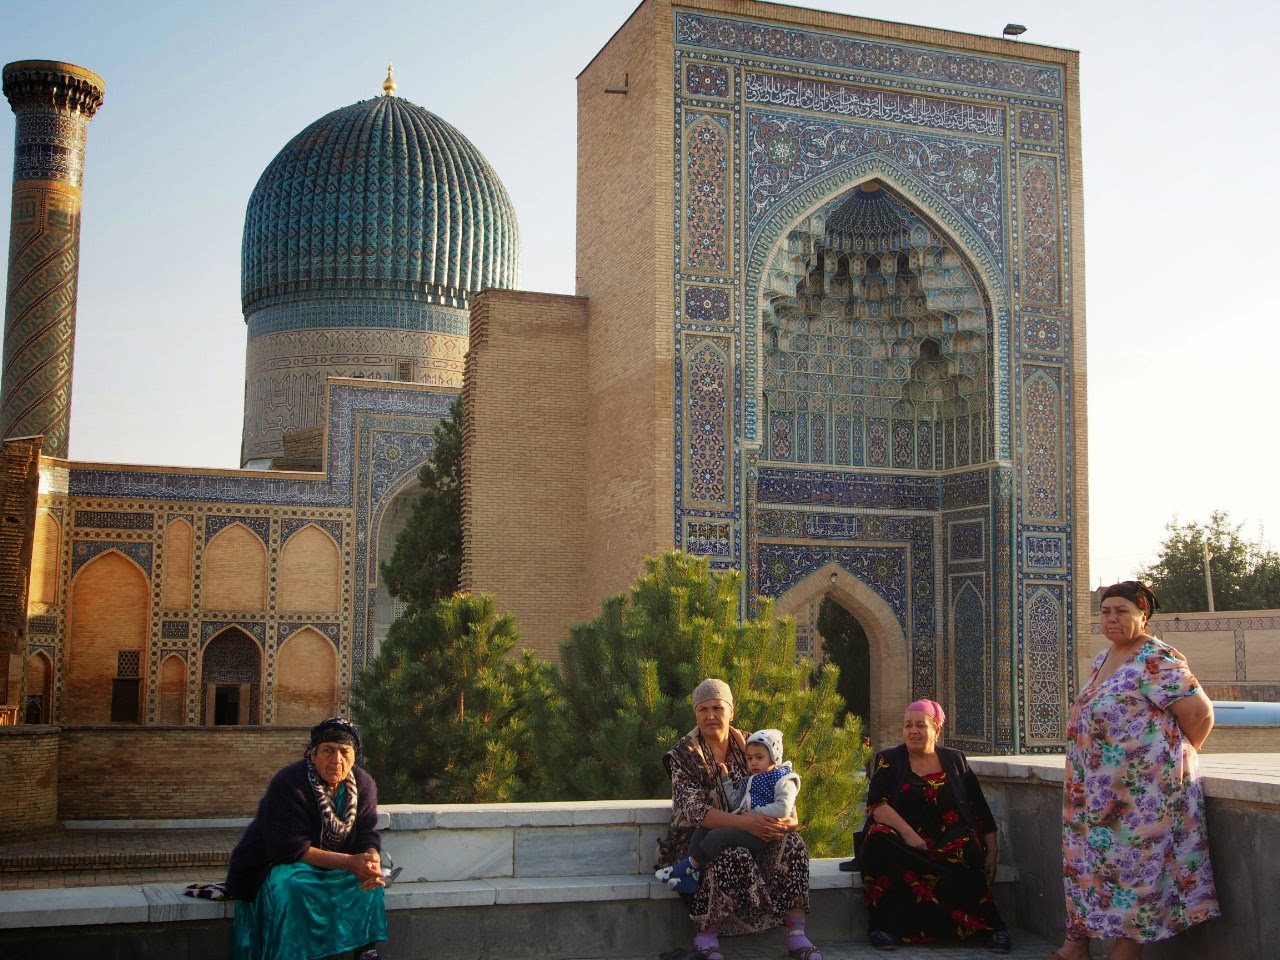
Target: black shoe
pixel 1000 942
pixel 849 866
pixel 882 940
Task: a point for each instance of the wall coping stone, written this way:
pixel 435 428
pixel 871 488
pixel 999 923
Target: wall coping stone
pixel 1246 777
pixel 166 903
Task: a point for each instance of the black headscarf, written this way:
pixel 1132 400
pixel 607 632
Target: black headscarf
pixel 337 730
pixel 1136 592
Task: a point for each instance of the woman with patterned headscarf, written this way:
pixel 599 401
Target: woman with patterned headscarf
pixel 1135 853
pixel 928 855
pixel 739 891
pixel 308 871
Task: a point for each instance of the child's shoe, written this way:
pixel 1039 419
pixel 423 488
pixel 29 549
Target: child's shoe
pixel 684 877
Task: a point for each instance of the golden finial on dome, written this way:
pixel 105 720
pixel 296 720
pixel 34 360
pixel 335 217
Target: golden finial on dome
pixel 388 85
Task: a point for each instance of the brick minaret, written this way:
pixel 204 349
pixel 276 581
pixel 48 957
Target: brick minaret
pixel 54 103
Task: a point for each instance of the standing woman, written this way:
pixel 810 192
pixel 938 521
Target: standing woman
pixel 739 892
pixel 308 870
pixel 1135 853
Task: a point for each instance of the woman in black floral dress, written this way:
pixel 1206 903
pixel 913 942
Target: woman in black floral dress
pixel 738 892
pixel 929 852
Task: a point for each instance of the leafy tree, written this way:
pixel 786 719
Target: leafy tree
pixel 427 562
pixel 1246 573
pixel 846 646
pixel 623 688
pixel 443 710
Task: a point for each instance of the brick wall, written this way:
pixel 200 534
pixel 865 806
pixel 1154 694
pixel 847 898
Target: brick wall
pixel 235 571
pixel 1236 647
pixel 19 486
pixel 524 462
pixel 1244 739
pixel 178 560
pixel 307 684
pixel 160 773
pixel 110 610
pixel 1254 692
pixel 31 764
pixel 625 242
pixel 310 574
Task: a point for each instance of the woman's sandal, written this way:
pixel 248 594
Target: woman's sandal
pixel 805 953
pixel 709 953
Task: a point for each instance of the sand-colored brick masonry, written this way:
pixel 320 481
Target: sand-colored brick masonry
pixel 1243 739
pixel 1209 642
pixel 110 611
pixel 307 684
pixel 625 242
pixel 178 560
pixel 310 573
pixel 117 773
pixel 234 571
pixel 31 764
pixel 524 462
pixel 19 487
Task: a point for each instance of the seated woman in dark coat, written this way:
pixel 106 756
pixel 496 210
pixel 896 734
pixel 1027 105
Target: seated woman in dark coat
pixel 929 851
pixel 308 870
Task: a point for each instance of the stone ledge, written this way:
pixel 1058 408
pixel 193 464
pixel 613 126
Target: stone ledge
pixel 1244 777
pixel 464 816
pixel 165 903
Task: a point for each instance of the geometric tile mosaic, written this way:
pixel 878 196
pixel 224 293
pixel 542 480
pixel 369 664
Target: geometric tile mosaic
pixel 862 220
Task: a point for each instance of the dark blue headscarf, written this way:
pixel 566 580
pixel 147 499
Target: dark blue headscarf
pixel 1136 592
pixel 337 730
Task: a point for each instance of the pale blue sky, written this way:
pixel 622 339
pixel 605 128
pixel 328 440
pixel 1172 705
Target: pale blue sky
pixel 1180 147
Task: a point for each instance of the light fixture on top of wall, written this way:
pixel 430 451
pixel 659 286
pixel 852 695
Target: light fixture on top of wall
pixel 1014 30
pixel 833 576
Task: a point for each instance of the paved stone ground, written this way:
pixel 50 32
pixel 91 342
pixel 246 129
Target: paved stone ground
pixel 1025 947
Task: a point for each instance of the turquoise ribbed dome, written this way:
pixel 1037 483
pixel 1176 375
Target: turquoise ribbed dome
pixel 378 199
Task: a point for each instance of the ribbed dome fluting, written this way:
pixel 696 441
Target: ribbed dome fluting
pixel 384 199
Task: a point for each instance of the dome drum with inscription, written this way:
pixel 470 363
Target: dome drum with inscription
pixel 364 240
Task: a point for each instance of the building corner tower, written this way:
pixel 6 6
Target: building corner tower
pixel 54 103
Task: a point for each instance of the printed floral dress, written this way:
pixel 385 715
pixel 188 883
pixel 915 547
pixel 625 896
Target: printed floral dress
pixel 1135 854
pixel 940 893
pixel 740 892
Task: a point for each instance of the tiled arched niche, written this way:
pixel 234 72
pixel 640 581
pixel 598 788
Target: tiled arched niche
pixel 876 373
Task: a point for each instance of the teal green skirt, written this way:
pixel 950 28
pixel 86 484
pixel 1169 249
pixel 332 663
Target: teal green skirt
pixel 304 913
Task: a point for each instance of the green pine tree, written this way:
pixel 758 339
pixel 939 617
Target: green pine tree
pixel 623 688
pixel 443 709
pixel 427 562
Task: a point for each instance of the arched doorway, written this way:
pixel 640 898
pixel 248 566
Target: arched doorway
pixel 890 662
pixel 231 680
pixel 842 641
pixel 39 688
pixel 385 607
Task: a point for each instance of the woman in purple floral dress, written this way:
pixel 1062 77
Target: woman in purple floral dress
pixel 1135 854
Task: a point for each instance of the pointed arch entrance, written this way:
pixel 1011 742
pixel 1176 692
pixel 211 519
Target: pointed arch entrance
pixel 890 654
pixel 231 679
pixel 391 524
pixel 875 374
